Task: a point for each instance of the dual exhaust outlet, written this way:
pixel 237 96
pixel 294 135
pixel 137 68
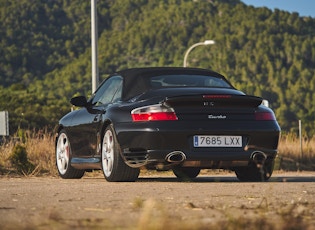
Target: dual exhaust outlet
pixel 175 157
pixel 258 157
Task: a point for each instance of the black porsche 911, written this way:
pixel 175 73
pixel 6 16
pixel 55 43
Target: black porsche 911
pixel 167 118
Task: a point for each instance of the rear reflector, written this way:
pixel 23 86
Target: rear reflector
pixel 154 113
pixel 265 116
pixel 216 96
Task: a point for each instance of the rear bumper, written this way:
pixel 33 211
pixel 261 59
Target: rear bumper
pixel 143 145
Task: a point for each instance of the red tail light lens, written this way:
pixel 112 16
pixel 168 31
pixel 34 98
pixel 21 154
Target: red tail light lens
pixel 265 116
pixel 163 116
pixel 153 113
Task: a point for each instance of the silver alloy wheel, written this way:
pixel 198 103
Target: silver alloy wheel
pixel 62 153
pixel 108 146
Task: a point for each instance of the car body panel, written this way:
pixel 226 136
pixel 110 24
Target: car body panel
pixel 218 111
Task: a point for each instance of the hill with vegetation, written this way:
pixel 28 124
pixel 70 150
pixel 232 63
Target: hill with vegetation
pixel 45 54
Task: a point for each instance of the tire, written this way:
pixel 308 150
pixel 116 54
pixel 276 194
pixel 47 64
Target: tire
pixel 63 158
pixel 186 173
pixel 113 166
pixel 252 173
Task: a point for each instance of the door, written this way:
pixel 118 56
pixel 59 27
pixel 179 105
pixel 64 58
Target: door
pixel 88 122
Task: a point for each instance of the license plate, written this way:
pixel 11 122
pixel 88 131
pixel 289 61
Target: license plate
pixel 217 141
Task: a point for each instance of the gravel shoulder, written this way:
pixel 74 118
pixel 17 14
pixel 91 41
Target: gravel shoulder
pixel 156 201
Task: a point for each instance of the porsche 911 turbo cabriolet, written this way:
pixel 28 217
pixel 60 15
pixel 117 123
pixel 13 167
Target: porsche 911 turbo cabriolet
pixel 167 118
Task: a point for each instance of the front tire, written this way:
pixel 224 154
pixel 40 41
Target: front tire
pixel 113 166
pixel 185 173
pixel 252 173
pixel 63 158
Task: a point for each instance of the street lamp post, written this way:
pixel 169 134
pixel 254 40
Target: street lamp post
pixel 94 39
pixel 205 43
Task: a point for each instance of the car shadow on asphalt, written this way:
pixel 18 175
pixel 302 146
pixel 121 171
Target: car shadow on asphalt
pixel 230 179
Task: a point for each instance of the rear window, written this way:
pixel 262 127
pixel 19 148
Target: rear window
pixel 164 81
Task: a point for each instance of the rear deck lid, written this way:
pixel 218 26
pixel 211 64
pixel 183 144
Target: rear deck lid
pixel 214 106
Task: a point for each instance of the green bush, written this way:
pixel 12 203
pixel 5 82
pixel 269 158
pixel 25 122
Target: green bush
pixel 19 160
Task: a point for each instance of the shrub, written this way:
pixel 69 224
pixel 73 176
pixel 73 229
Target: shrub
pixel 19 160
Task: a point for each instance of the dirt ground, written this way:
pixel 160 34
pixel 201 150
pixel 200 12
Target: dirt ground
pixel 158 201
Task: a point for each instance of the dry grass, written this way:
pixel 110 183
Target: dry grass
pixel 296 154
pixel 40 152
pixel 40 148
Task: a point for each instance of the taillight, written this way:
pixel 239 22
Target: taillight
pixel 154 113
pixel 265 116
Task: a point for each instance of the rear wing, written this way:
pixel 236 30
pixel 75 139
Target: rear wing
pixel 214 100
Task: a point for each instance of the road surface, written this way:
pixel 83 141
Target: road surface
pixel 157 201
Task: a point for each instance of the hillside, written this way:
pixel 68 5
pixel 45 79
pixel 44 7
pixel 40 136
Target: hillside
pixel 45 52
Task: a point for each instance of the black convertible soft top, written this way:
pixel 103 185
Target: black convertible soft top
pixel 136 80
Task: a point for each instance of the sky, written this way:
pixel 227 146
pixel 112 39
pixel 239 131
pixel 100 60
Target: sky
pixel 303 7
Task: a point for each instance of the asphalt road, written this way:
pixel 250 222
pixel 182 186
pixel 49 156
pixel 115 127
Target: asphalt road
pixel 156 201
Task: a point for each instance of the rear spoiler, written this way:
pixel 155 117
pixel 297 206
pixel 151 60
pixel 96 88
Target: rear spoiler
pixel 214 100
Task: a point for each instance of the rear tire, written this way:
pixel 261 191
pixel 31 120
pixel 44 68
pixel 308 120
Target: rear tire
pixel 252 173
pixel 113 166
pixel 63 158
pixel 185 173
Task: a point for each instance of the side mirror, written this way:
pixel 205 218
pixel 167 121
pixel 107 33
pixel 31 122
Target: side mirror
pixel 79 101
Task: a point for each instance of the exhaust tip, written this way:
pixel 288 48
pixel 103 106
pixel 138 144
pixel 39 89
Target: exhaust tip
pixel 259 158
pixel 175 157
